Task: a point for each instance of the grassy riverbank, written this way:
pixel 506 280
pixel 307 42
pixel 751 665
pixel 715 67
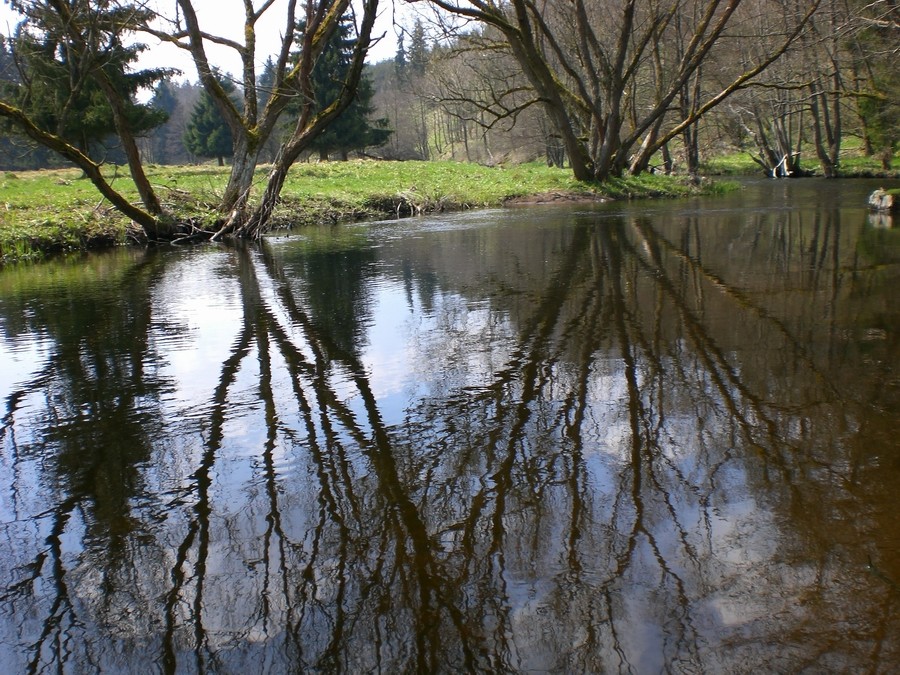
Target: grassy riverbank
pixel 854 163
pixel 43 212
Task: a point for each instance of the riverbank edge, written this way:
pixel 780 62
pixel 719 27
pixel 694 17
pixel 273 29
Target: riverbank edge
pixel 35 226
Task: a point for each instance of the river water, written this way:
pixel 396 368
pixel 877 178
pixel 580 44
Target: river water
pixel 645 437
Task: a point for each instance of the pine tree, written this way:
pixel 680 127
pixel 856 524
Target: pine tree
pixel 60 90
pixel 418 50
pixel 353 129
pixel 7 62
pixel 16 152
pixel 265 86
pixel 207 134
pixel 163 99
pixel 265 82
pixel 400 59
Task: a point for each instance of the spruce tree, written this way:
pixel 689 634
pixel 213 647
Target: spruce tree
pixel 265 87
pixel 400 59
pixel 60 90
pixel 163 99
pixel 353 129
pixel 207 134
pixel 418 53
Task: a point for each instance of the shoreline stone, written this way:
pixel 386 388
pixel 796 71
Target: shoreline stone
pixel 883 201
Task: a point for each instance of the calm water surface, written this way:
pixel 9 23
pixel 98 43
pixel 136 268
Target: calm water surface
pixel 658 437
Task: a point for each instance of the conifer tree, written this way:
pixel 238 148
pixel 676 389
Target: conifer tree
pixel 164 99
pixel 417 56
pixel 353 129
pixel 207 133
pixel 60 92
pixel 400 59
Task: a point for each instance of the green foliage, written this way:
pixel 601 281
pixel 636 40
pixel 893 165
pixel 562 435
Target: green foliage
pixel 882 117
pixel 59 86
pixel 400 59
pixel 207 134
pixel 164 97
pixel 352 129
pixel 418 54
pixel 266 82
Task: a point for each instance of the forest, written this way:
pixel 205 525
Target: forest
pixel 600 88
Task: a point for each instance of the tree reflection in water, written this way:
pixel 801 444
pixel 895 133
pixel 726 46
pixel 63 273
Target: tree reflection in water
pixel 616 459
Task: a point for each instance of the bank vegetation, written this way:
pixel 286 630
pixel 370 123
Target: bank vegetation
pixel 58 210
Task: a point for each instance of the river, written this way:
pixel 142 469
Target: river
pixel 641 437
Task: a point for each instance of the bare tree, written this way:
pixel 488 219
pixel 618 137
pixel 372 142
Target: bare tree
pixel 801 102
pixel 826 87
pixel 251 126
pixel 589 64
pixel 490 105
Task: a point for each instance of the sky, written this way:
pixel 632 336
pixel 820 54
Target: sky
pixel 226 18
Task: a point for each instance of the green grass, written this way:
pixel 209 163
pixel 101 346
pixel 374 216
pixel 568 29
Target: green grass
pixel 732 164
pixel 352 190
pixel 857 164
pixel 51 211
pixel 45 212
pixel 853 162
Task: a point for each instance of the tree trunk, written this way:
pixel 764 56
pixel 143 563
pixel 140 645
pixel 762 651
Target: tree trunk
pixel 826 128
pixel 308 128
pixel 250 136
pixel 240 181
pixel 257 224
pixel 465 140
pixel 668 162
pixel 641 160
pixel 149 222
pixel 691 149
pixel 538 72
pixel 135 166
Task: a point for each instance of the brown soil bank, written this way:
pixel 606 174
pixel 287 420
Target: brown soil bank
pixel 560 197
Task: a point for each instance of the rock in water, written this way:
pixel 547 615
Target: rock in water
pixel 884 201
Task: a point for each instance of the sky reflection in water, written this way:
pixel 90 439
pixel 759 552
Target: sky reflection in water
pixel 623 438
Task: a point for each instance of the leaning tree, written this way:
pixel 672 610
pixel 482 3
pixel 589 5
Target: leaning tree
pixel 87 28
pixel 252 124
pixel 82 43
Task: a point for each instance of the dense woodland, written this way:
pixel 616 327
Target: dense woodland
pixel 602 88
